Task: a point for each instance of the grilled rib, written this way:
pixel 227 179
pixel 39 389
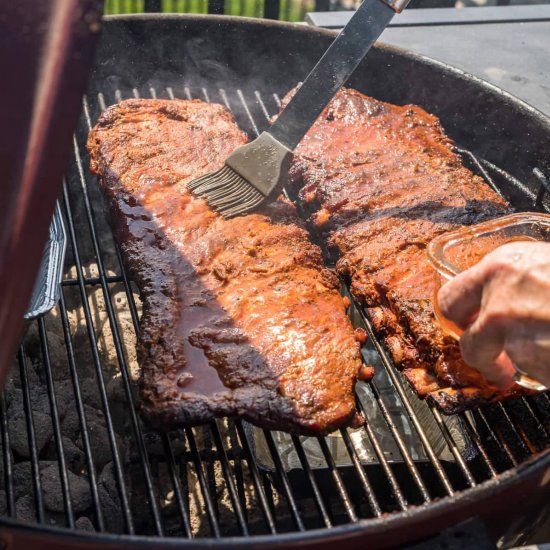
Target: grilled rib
pixel 239 316
pixel 380 181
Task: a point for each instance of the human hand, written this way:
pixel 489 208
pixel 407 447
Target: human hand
pixel 503 305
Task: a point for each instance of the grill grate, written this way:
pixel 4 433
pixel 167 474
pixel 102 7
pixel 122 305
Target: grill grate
pixel 227 478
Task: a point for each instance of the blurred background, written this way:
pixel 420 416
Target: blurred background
pixel 287 10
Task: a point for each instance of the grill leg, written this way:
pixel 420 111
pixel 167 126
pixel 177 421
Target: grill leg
pixel 271 9
pixel 152 6
pixel 322 5
pixel 216 7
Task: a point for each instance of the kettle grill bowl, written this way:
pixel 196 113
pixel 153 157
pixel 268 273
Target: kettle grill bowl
pixel 249 64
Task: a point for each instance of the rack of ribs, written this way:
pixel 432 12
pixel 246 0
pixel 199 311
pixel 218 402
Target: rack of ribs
pixel 240 317
pixel 380 181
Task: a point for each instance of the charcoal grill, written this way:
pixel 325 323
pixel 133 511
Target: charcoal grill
pixel 104 478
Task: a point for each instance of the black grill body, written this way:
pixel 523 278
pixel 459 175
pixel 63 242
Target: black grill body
pixel 228 484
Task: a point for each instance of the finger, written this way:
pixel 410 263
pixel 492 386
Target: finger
pixel 529 347
pixel 459 300
pixel 504 366
pixel 482 347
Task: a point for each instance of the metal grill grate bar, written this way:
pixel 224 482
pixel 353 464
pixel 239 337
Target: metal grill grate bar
pixel 6 455
pixel 369 492
pixel 248 113
pixel 31 434
pixel 203 435
pixel 453 447
pixel 479 444
pixel 543 189
pixel 84 433
pixel 319 502
pixel 138 435
pixel 229 478
pixel 401 444
pixel 237 465
pixel 337 479
pixel 173 469
pixel 527 425
pixel 119 473
pixel 391 425
pixel 540 428
pixel 183 506
pixel 480 168
pixel 501 441
pixel 208 500
pixel 406 403
pixel 395 433
pixel 260 492
pixel 283 478
pixel 395 489
pixel 500 436
pixel 543 410
pixel 519 435
pixel 91 281
pixel 63 474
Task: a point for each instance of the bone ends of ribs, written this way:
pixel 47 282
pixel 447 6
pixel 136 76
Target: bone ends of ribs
pixel 380 181
pixel 240 318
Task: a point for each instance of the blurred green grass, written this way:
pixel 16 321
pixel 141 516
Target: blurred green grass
pixel 291 10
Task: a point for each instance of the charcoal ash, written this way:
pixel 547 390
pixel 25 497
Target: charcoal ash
pixel 17 426
pixel 23 478
pixel 19 439
pixel 103 337
pixel 90 393
pixel 2 470
pixel 84 523
pixel 70 426
pixel 25 508
pixel 97 434
pixel 110 500
pixel 71 432
pixel 56 352
pixel 99 438
pixel 41 416
pixel 46 447
pixel 74 456
pixel 12 386
pixel 79 488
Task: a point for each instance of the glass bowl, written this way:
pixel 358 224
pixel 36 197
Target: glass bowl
pixel 458 250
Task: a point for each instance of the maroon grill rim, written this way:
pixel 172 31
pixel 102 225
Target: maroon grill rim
pixel 529 483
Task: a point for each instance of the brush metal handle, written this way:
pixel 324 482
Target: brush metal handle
pixel 333 69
